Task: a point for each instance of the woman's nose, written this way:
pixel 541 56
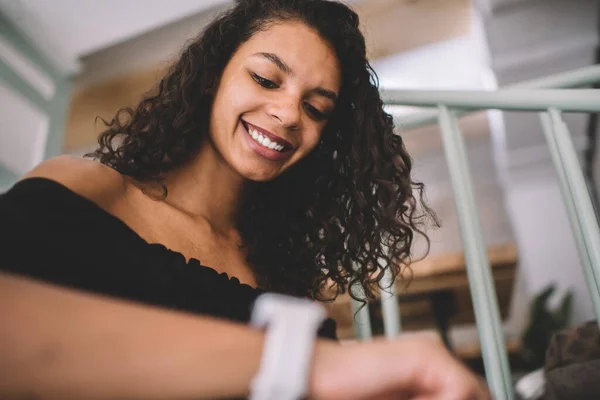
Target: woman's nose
pixel 287 112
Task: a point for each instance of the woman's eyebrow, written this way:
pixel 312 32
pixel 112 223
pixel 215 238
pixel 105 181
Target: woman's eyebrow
pixel 274 58
pixel 330 94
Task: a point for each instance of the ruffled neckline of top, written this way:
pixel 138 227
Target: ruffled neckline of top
pixel 154 247
pixel 197 264
pixel 49 215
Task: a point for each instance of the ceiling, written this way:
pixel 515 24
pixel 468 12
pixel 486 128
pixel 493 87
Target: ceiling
pixel 396 26
pixel 66 30
pixel 69 29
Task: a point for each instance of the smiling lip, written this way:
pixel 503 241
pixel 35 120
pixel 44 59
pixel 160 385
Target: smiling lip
pixel 269 154
pixel 273 138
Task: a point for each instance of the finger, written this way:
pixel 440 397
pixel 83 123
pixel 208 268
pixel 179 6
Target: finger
pixel 476 394
pixel 484 391
pixel 423 398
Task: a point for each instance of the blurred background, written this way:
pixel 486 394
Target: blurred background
pixel 65 62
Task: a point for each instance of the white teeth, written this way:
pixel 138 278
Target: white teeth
pixel 264 141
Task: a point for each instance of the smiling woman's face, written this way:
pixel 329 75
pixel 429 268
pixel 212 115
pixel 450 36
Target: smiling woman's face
pixel 274 100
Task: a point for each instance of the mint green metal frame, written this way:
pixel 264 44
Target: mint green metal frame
pixel 551 96
pixel 55 108
pixel 577 199
pixel 481 283
pixel 571 79
pixel 360 311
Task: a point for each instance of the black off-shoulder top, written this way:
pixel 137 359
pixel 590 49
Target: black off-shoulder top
pixel 51 233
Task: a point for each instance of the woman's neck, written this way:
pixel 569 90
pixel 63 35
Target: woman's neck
pixel 206 188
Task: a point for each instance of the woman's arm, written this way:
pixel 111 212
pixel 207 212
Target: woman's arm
pixel 58 343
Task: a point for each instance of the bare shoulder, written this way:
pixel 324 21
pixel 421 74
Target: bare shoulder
pixel 85 177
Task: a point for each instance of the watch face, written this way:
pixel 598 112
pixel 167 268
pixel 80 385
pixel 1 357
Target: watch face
pixel 283 372
pixel 270 307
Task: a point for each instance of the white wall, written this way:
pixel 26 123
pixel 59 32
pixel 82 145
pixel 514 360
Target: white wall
pixel 489 197
pixel 543 229
pixel 453 64
pixel 23 133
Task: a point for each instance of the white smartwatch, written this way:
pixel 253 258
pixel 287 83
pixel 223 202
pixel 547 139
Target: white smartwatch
pixel 291 327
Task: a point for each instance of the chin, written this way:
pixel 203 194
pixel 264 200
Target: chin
pixel 260 177
pixel 258 174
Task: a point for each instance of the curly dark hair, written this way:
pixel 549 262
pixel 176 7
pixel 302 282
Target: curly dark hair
pixel 341 216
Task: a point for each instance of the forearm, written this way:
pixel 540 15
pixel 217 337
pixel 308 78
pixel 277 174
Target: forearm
pixel 57 343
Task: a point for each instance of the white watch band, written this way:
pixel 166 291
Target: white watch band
pixel 291 324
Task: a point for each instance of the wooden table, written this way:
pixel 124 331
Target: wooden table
pixel 438 294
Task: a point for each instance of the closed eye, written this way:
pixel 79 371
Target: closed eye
pixel 267 84
pixel 315 113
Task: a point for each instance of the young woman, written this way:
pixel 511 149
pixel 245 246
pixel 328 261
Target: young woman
pixel 263 162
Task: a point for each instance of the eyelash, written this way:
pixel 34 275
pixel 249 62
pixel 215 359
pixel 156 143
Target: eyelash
pixel 267 84
pixel 317 115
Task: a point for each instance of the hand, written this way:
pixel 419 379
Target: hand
pixel 412 367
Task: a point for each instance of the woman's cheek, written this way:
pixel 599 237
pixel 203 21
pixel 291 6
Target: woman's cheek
pixel 311 141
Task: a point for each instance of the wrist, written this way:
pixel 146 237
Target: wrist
pixel 336 374
pixel 322 372
pixel 338 368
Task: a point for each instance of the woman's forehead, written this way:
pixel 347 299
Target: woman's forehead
pixel 301 49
